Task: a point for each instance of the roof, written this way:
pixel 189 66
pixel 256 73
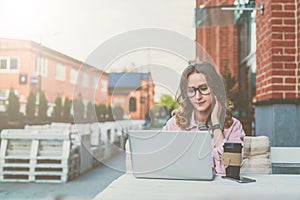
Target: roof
pixel 126 79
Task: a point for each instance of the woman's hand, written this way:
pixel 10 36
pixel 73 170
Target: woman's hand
pixel 218 136
pixel 216 111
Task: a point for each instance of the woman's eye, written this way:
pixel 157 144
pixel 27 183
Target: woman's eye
pixel 203 88
pixel 190 90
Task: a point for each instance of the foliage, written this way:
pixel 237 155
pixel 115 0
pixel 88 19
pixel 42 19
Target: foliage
pixel 57 111
pixel 109 114
pixel 13 107
pixel 42 107
pixel 30 106
pixel 238 98
pixel 168 102
pixel 78 110
pixel 101 112
pixel 90 112
pixel 66 109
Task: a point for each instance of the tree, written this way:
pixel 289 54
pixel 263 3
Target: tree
pixel 168 102
pixel 238 98
pixel 109 114
pixel 78 109
pixel 90 112
pixel 67 109
pixel 42 107
pixel 13 107
pixel 229 83
pixel 101 112
pixel 57 111
pixel 30 106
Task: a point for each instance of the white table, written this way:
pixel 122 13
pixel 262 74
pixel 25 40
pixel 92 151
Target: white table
pixel 267 186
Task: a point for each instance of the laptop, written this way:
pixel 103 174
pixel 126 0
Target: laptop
pixel 183 155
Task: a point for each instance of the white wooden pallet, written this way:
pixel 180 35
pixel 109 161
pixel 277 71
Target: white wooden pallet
pixel 37 155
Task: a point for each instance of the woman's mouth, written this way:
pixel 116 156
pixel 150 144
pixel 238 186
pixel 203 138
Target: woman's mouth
pixel 200 103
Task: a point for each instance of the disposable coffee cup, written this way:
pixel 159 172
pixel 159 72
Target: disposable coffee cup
pixel 231 159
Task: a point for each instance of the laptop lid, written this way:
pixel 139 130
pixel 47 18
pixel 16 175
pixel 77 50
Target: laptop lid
pixel 171 154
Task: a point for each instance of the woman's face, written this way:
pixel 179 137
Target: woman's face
pixel 198 92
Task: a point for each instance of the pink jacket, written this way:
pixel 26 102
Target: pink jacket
pixel 234 133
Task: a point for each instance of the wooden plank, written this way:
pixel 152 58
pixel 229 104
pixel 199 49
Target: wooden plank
pixel 33 154
pixel 3 148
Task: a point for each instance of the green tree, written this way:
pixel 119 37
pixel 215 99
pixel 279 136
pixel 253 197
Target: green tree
pixel 90 112
pixel 238 98
pixel 57 111
pixel 30 106
pixel 78 109
pixel 13 107
pixel 101 112
pixel 168 102
pixel 67 109
pixel 42 107
pixel 109 114
pixel 229 83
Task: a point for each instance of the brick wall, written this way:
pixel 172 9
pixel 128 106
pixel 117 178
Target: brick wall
pixel 220 42
pixel 277 50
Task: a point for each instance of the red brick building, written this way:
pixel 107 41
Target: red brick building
pixel 277 76
pixel 134 92
pixel 273 86
pixel 26 66
pixel 226 36
pixel 218 39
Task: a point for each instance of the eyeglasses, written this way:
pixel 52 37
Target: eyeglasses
pixel 202 89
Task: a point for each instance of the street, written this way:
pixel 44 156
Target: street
pixel 86 186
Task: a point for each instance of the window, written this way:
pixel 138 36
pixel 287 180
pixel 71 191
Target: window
pixel 60 72
pixel 73 76
pixel 13 64
pixel 85 79
pixel 41 66
pixel 9 64
pixel 3 64
pixel 132 104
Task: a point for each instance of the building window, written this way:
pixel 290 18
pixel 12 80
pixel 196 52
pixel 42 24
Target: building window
pixel 85 79
pixel 60 72
pixel 3 64
pixel 14 64
pixel 9 64
pixel 41 66
pixel 132 104
pixel 73 76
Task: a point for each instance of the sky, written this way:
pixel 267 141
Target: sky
pixel 78 27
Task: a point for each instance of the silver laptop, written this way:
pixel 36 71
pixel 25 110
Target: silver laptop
pixel 162 154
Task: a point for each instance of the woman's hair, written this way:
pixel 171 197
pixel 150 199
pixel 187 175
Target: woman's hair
pixel 215 83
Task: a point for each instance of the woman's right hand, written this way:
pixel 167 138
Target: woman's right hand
pixel 216 111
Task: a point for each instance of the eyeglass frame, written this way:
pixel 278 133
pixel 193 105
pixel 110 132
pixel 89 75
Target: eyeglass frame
pixel 199 90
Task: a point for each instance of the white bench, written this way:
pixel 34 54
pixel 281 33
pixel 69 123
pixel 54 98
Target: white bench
pixel 285 156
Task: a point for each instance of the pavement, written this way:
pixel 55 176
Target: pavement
pixel 84 187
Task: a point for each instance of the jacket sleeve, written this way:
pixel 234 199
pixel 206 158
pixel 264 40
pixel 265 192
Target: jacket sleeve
pixel 171 125
pixel 235 133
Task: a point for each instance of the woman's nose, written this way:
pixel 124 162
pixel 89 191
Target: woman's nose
pixel 198 94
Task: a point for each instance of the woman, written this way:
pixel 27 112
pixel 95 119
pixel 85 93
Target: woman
pixel 203 105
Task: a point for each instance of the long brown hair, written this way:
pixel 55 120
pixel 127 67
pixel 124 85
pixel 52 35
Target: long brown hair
pixel 215 83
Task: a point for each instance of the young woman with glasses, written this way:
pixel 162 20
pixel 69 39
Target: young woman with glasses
pixel 203 105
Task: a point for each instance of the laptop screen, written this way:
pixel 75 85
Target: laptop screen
pixel 171 154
